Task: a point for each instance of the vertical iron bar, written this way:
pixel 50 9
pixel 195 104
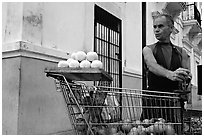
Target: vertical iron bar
pixel 120 62
pixel 106 59
pixel 109 52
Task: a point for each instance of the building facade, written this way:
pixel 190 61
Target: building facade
pixel 39 35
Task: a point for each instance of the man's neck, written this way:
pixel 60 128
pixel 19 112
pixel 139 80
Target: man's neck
pixel 165 41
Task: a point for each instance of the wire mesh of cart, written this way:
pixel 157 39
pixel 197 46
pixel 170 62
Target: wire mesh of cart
pixel 103 110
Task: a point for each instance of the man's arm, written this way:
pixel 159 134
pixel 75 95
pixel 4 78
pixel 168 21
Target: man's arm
pixel 157 69
pixel 152 63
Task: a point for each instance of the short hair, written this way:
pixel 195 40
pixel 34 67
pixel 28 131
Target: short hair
pixel 169 18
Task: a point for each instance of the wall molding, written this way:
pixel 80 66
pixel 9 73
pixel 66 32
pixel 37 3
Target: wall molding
pixel 25 49
pixel 131 73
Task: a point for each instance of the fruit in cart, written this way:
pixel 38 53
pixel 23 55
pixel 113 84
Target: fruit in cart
pixel 96 64
pixel 169 130
pixel 74 64
pixel 153 120
pixel 80 55
pixel 63 63
pixel 137 123
pixel 69 60
pixel 161 120
pixel 91 56
pixel 102 131
pixel 195 125
pixel 134 131
pixel 150 129
pixel 119 133
pixel 142 130
pixel 146 122
pixel 159 128
pixel 73 55
pixel 127 126
pixel 113 130
pixel 85 64
pixel 95 129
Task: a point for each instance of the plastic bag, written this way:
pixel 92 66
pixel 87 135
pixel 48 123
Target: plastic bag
pixel 111 111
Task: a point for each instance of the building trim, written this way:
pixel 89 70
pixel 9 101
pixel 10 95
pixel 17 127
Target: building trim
pixel 190 45
pixel 131 73
pixel 24 49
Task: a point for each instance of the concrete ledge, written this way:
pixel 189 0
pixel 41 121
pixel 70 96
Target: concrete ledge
pixel 132 73
pixel 30 50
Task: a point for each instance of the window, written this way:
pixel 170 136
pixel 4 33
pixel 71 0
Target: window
pixel 107 43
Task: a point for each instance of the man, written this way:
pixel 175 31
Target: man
pixel 167 65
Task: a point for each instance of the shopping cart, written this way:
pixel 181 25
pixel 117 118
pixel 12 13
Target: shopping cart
pixel 101 110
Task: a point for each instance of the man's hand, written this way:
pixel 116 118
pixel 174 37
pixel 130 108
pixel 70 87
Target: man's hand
pixel 180 74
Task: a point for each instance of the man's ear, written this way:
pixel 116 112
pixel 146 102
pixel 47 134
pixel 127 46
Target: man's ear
pixel 171 28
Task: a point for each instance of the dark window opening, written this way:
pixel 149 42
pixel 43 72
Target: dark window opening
pixel 107 43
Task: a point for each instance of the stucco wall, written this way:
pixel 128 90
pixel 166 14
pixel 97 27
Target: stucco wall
pixel 10 95
pixel 63 26
pixel 12 22
pixel 132 44
pixel 42 109
pixel 31 104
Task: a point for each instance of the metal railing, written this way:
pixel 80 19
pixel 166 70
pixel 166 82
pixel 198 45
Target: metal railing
pixel 191 13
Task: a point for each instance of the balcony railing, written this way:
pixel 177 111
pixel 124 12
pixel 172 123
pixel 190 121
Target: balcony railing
pixel 191 13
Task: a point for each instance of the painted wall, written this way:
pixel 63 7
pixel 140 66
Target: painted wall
pixel 64 29
pixel 42 109
pixel 132 44
pixel 12 22
pixel 30 103
pixel 10 95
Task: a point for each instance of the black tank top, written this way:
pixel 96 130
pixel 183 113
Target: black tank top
pixel 160 83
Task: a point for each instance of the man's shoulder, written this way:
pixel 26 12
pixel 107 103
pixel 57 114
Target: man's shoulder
pixel 151 46
pixel 178 48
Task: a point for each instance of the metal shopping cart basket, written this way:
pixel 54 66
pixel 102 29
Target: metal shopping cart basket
pixel 102 110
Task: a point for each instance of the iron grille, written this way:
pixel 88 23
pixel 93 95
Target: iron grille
pixel 191 13
pixel 107 43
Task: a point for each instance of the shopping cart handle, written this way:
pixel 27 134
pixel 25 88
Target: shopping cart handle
pixel 50 75
pixel 55 76
pixel 182 92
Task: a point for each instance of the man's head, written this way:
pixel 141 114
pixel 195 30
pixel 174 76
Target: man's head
pixel 163 26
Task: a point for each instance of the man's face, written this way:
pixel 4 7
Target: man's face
pixel 161 29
